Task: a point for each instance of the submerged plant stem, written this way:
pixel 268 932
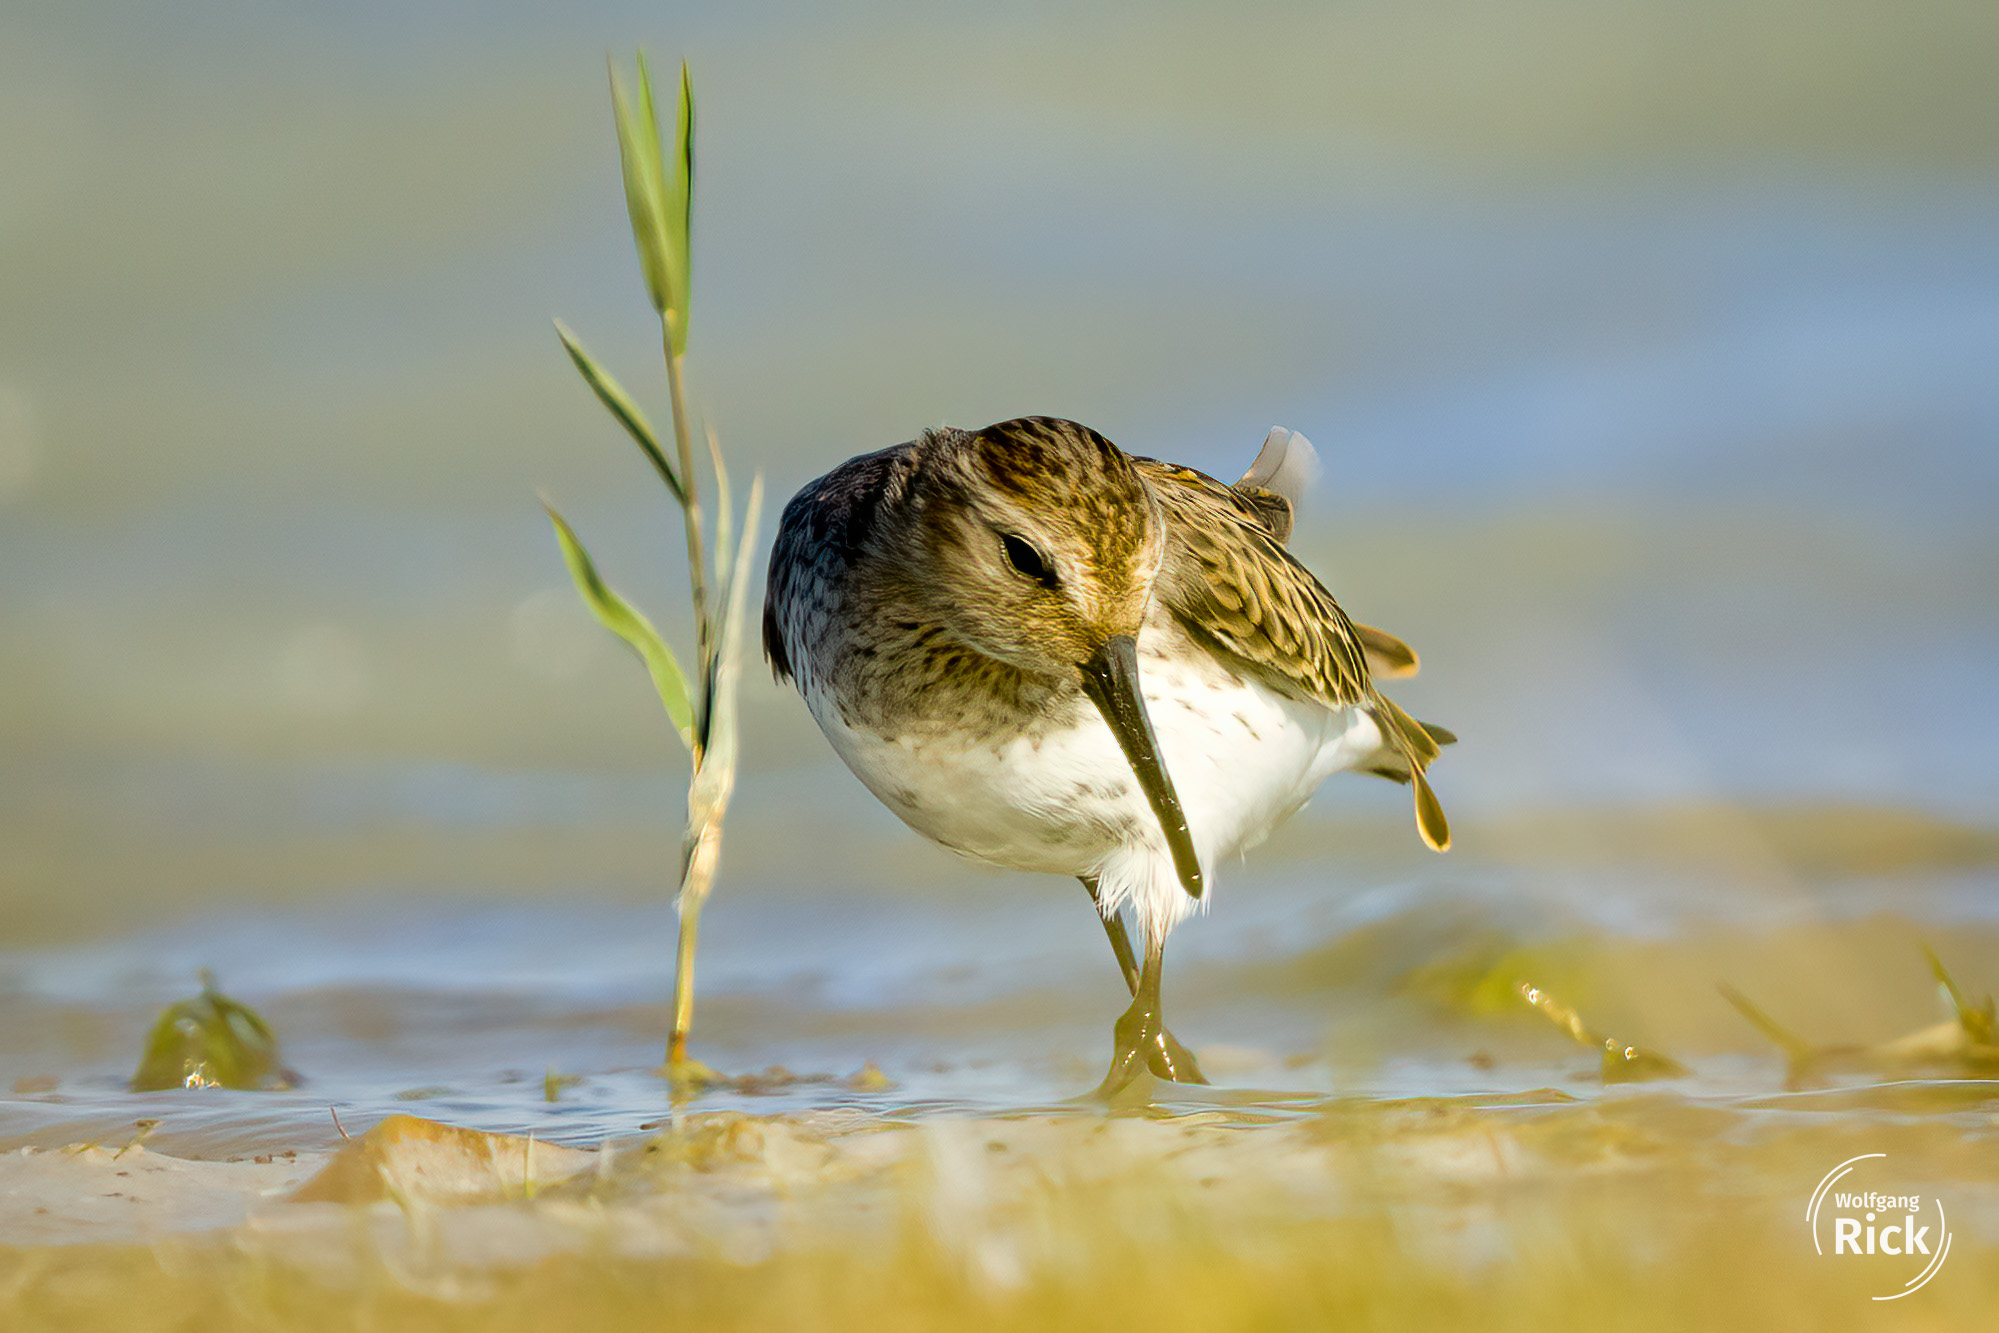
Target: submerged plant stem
pixel 697 878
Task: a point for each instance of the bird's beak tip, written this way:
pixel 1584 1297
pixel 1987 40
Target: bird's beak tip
pixel 1110 678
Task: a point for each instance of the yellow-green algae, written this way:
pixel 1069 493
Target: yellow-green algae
pixel 211 1041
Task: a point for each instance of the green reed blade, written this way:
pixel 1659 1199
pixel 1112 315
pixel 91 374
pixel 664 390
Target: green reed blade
pixel 724 503
pixel 618 616
pixel 645 182
pixel 1975 1019
pixel 679 211
pixel 721 737
pixel 620 405
pixel 656 197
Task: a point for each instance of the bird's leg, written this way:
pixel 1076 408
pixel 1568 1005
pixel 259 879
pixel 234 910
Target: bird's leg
pixel 1114 927
pixel 1141 1035
pixel 1171 1060
pixel 1140 1032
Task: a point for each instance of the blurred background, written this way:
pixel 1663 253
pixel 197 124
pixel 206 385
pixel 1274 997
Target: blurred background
pixel 1649 347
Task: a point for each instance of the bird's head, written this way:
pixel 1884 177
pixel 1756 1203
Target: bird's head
pixel 1039 544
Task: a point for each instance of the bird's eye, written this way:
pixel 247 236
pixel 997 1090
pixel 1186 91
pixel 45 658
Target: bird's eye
pixel 1027 560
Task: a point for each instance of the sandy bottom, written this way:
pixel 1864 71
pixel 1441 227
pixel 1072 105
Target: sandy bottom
pixel 1632 1209
pixel 1398 1138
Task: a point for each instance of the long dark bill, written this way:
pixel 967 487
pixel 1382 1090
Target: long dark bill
pixel 1111 680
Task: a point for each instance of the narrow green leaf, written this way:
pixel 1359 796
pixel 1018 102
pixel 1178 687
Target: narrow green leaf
pixel 721 683
pixel 1975 1019
pixel 657 196
pixel 613 396
pixel 711 636
pixel 732 626
pixel 645 183
pixel 679 196
pixel 616 615
pixel 724 504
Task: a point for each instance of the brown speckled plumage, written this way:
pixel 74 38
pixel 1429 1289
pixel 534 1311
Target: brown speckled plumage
pixel 842 578
pixel 1044 652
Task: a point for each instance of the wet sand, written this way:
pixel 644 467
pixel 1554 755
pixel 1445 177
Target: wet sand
pixel 1629 1209
pixel 1396 1138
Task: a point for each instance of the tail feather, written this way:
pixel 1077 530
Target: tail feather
pixel 1278 479
pixel 1406 732
pixel 1287 465
pixel 1414 744
pixel 1430 821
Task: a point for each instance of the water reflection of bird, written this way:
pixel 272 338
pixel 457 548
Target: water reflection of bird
pixel 1054 656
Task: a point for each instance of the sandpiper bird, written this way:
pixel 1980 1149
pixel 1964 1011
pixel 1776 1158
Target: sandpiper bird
pixel 1054 656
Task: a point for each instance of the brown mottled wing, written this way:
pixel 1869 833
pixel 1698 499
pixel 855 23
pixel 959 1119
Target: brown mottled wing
pixel 1230 582
pixel 1271 508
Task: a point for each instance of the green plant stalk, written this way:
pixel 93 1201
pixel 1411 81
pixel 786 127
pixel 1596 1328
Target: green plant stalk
pixel 701 853
pixel 697 564
pixel 701 850
pixel 658 201
pixel 708 793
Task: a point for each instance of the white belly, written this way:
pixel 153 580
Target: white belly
pixel 1243 758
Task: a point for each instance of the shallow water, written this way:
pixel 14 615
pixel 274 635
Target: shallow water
pixel 996 997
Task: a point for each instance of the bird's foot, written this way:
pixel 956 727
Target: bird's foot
pixel 1174 1062
pixel 1144 1043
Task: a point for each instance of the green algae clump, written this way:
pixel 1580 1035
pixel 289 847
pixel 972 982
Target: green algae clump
pixel 211 1041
